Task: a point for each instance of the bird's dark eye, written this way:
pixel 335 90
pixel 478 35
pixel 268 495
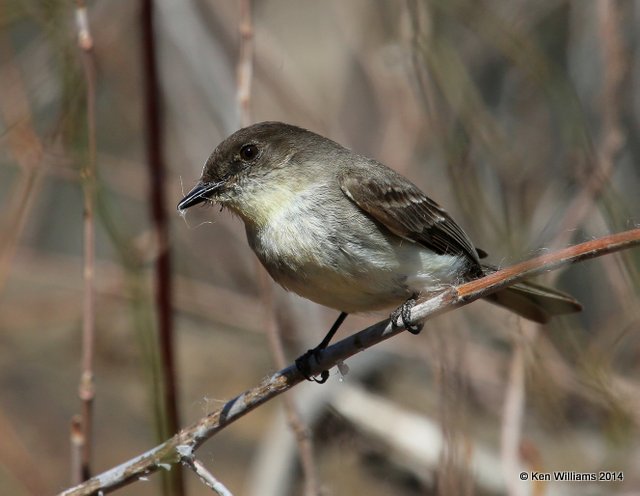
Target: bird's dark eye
pixel 248 152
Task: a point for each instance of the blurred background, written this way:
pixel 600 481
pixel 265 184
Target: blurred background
pixel 520 117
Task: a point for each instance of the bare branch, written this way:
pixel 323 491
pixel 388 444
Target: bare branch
pixel 245 63
pixel 205 476
pixel 86 389
pixel 512 412
pixel 163 280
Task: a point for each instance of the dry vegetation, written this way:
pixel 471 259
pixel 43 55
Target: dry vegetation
pixel 520 117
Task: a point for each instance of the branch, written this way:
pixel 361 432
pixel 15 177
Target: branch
pixel 169 420
pixel 82 425
pixel 192 437
pixel 206 477
pixel 245 63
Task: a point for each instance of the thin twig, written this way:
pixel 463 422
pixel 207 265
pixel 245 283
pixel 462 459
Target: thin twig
pixel 512 413
pixel 195 435
pixel 86 389
pixel 245 63
pixel 77 447
pixel 163 280
pixel 453 474
pixel 206 477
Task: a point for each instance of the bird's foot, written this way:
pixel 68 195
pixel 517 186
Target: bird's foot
pixel 304 367
pixel 404 312
pixel 302 363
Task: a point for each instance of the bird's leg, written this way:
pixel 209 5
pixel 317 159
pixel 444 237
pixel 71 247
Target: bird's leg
pixel 302 363
pixel 404 312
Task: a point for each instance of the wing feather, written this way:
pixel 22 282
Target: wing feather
pixel 406 211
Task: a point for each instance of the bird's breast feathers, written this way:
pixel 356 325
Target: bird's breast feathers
pixel 339 257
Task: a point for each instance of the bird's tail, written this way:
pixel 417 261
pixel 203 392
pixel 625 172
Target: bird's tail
pixel 535 302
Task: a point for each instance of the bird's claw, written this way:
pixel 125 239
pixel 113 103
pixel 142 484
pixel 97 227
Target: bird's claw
pixel 404 312
pixel 302 364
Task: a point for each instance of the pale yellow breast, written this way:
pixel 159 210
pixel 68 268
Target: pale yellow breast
pixel 322 247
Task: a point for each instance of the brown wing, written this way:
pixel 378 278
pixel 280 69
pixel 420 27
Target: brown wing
pixel 406 211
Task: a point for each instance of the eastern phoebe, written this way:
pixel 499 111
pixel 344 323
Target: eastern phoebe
pixel 344 230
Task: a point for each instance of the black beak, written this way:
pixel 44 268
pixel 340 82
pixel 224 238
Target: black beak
pixel 199 194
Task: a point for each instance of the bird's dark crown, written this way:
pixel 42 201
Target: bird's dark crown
pixel 266 145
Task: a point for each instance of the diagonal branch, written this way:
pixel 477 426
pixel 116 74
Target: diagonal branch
pixel 206 477
pixel 190 438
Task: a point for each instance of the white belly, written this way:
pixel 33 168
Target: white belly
pixel 345 261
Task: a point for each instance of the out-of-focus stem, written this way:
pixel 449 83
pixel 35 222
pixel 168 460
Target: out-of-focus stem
pixel 245 63
pixel 82 428
pixel 157 182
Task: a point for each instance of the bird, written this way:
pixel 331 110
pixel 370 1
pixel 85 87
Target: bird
pixel 346 231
